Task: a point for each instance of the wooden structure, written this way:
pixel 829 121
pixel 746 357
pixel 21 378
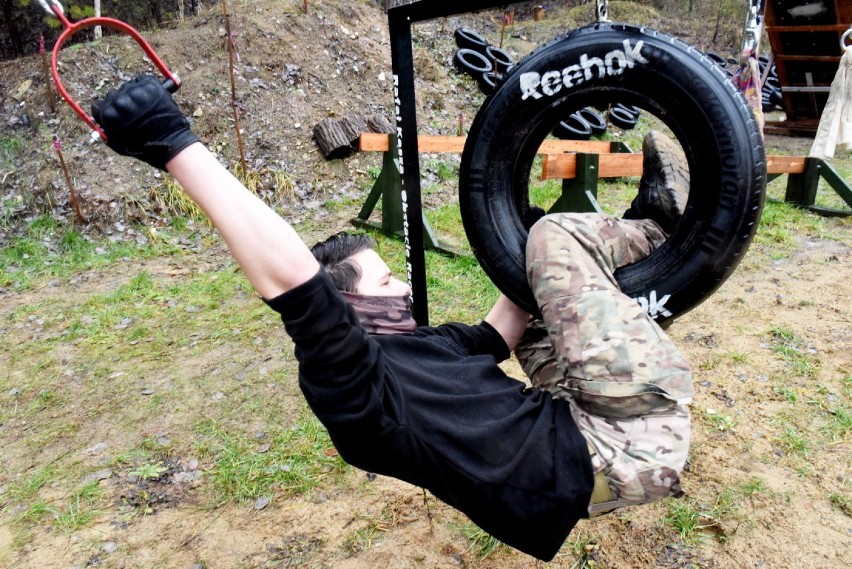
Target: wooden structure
pixel 805 39
pixel 579 164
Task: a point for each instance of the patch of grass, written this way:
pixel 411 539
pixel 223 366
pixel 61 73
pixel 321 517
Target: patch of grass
pixel 441 168
pixel 35 513
pixel 171 198
pixel 25 489
pixel 79 513
pixel 283 183
pixel 842 502
pixel 793 350
pixel 149 471
pixel 739 357
pixel 291 461
pixel 752 487
pixel 49 250
pixel 363 538
pixel 9 148
pixel 710 363
pixel 839 425
pixel 690 518
pixel 480 543
pixel 720 421
pixel 685 516
pixel 373 172
pixel 793 441
pixel 782 225
pixel 787 393
pixel 582 548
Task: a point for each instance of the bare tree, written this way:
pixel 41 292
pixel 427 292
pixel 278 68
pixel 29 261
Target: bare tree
pixel 98 15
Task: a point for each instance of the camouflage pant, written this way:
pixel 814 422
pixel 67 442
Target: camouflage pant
pixel 627 384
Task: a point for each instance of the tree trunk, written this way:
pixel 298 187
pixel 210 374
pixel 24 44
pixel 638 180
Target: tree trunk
pixel 157 13
pixel 14 34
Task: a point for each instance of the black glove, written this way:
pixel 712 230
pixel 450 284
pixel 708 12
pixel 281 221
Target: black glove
pixel 140 119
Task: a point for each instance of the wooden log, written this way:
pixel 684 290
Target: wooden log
pixel 339 138
pixel 380 124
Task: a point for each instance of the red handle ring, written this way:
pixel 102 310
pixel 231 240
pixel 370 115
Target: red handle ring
pixel 172 82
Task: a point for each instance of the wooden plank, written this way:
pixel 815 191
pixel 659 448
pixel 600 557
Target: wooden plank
pixel 785 164
pixel 560 165
pixel 372 142
pixel 564 166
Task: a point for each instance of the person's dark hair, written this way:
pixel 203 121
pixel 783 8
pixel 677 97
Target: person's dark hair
pixel 334 255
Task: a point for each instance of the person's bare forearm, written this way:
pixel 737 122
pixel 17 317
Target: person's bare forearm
pixel 509 320
pixel 272 255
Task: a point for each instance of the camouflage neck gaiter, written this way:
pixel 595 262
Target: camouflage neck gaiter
pixel 382 314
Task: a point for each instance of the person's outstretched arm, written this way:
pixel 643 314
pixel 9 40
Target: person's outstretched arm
pixel 141 120
pixel 271 254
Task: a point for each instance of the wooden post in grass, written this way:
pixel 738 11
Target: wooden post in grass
pixel 232 54
pixel 57 145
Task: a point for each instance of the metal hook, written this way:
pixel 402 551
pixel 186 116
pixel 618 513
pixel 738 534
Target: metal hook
pixel 602 10
pixel 49 6
pixel 847 35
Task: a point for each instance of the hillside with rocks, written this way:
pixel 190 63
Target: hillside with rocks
pixel 292 70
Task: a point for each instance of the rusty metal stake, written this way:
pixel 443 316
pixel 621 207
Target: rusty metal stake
pixel 46 70
pixel 57 144
pixel 231 44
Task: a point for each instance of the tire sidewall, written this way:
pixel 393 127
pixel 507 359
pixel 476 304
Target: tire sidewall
pixel 680 86
pixel 472 62
pixel 467 38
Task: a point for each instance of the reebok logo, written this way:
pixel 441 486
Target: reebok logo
pixel 654 307
pixel 549 83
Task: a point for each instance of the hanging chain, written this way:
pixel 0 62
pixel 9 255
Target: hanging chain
pixel 602 10
pixel 753 26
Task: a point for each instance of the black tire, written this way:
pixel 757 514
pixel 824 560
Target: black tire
pixel 687 91
pixel 469 39
pixel 632 109
pixel 595 120
pixel 575 127
pixel 500 59
pixel 772 83
pixel 488 82
pixel 471 62
pixel 776 98
pixel 621 117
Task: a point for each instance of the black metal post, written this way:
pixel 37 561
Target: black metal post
pixel 405 108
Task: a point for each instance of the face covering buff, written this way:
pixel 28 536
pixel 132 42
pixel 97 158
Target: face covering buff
pixel 382 314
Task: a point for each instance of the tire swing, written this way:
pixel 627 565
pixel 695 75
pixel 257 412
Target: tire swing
pixel 684 89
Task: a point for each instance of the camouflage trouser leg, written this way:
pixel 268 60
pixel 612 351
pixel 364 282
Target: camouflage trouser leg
pixel 627 383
